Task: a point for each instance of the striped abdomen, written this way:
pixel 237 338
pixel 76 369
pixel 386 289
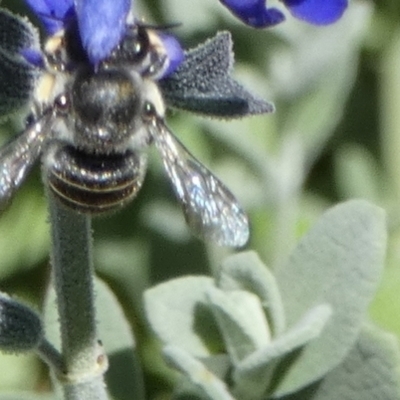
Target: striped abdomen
pixel 94 183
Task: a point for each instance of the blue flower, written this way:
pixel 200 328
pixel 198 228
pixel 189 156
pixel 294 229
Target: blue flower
pixel 33 56
pixel 256 13
pixel 52 13
pixel 101 23
pixel 174 51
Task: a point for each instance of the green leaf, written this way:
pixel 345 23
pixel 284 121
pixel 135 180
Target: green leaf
pixel 369 372
pixel 241 320
pixel 358 174
pixel 125 263
pixel 389 86
pixel 166 219
pixel 246 271
pixel 178 312
pixel 201 15
pixel 318 68
pixel 124 376
pixel 339 262
pixel 253 375
pixel 19 372
pixel 26 396
pixel 198 374
pixel 24 233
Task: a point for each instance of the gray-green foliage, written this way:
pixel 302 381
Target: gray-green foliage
pixel 298 330
pixel 252 335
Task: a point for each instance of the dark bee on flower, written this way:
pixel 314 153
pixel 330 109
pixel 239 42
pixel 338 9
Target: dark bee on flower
pixel 97 91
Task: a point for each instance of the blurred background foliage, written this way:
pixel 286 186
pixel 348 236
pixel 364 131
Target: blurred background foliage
pixel 335 136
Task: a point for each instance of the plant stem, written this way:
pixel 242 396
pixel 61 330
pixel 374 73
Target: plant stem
pixel 73 272
pixel 390 118
pixel 290 173
pixel 51 356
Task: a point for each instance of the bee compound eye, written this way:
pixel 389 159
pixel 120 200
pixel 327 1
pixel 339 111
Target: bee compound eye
pixel 29 120
pixel 62 103
pixel 136 44
pixel 149 110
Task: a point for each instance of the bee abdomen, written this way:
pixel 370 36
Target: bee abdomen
pixel 94 184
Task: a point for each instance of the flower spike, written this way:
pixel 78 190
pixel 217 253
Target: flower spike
pixel 52 13
pixel 256 13
pixel 317 12
pixel 174 51
pixel 101 24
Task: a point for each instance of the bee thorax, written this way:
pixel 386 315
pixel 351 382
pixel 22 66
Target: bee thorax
pixel 106 105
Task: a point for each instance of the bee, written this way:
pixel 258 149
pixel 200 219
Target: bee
pixel 90 125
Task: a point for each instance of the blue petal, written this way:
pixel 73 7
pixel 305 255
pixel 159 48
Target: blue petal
pixel 254 12
pixel 52 13
pixel 317 12
pixel 174 52
pixel 33 57
pixel 102 24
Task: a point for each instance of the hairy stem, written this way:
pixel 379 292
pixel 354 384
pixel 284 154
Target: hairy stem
pixel 83 359
pixel 51 356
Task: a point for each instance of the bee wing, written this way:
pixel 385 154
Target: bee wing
pixel 210 208
pixel 18 156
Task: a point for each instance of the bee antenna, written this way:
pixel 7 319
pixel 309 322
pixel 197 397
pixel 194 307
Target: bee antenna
pixel 163 27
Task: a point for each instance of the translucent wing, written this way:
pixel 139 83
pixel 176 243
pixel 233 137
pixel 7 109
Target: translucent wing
pixel 18 156
pixel 210 208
